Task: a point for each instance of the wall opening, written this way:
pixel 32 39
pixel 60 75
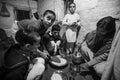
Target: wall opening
pixel 22 14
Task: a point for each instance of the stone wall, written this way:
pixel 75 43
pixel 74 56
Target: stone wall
pixel 55 5
pixel 91 11
pixel 7 22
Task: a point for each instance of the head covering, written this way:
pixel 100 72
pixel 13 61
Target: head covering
pixel 105 31
pixel 106 27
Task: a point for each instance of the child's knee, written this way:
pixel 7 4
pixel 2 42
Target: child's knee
pixel 39 65
pixel 37 70
pixel 40 60
pixel 41 68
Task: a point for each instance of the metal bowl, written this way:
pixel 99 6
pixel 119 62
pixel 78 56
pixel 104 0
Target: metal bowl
pixel 77 58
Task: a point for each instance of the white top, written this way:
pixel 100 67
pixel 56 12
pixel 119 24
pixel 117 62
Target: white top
pixel 70 35
pixel 71 18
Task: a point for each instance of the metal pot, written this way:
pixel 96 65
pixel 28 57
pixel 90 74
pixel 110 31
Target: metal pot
pixel 77 58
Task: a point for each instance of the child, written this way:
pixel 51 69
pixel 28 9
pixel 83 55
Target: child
pixel 39 26
pixel 19 56
pixel 52 40
pixel 72 21
pixel 97 45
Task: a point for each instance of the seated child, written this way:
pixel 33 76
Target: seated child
pixel 19 56
pixel 72 21
pixel 40 26
pixel 97 44
pixel 52 40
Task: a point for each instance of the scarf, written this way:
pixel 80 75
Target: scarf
pixel 104 32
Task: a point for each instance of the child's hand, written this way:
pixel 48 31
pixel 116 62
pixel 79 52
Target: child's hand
pixel 84 67
pixel 62 55
pixel 73 24
pixel 45 54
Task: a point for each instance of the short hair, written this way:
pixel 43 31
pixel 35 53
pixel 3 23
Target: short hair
pixel 56 27
pixel 24 38
pixel 49 11
pixel 72 3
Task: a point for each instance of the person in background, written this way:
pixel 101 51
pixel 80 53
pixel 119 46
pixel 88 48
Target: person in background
pixel 97 44
pixel 72 23
pixel 40 26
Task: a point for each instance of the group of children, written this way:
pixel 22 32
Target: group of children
pixel 25 60
pixel 35 45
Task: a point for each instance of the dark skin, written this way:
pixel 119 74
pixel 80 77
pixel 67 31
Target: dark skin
pixel 48 20
pixel 72 8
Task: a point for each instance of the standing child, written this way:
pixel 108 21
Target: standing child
pixel 72 23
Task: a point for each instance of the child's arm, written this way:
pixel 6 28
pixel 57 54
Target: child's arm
pixel 65 20
pixel 43 54
pixel 78 24
pixel 46 39
pixel 78 20
pixel 78 29
pixel 62 46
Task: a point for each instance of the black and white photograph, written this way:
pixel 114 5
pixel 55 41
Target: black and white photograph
pixel 59 39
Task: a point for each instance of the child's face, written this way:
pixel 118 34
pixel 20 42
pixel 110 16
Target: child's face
pixel 55 33
pixel 48 20
pixel 72 8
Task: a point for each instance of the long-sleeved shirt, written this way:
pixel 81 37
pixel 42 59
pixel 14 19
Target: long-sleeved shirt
pixel 16 62
pixel 101 54
pixel 71 18
pixel 35 25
